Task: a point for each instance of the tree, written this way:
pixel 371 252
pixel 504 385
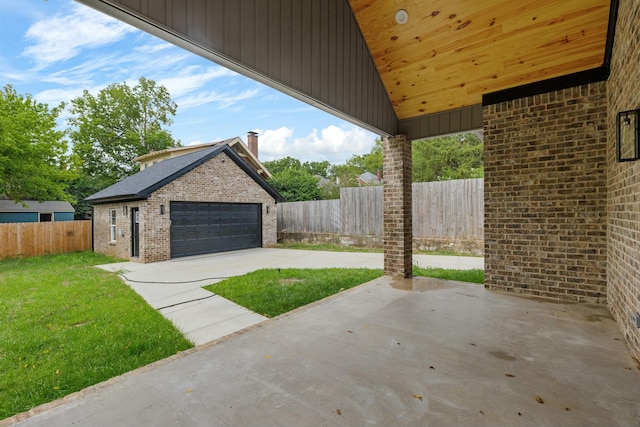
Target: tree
pixel 82 187
pixel 449 157
pixel 118 125
pixel 347 174
pixel 296 185
pixel 280 165
pixel 317 168
pixel 33 154
pixel 313 168
pixel 297 181
pixel 435 159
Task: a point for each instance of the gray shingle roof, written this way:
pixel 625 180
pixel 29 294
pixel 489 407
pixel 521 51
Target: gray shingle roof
pixel 368 177
pixel 33 206
pixel 142 184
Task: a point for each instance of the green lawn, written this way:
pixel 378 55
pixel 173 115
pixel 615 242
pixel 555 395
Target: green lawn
pixel 271 292
pixel 65 325
pixel 327 247
pixel 471 276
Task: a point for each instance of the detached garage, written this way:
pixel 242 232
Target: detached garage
pixel 203 202
pixel 200 228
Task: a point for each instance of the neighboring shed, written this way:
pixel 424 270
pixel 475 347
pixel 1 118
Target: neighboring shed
pixel 203 202
pixel 33 211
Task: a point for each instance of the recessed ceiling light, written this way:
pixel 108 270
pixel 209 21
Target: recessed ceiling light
pixel 402 16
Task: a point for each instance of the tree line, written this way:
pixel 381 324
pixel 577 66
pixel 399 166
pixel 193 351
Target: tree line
pixel 434 159
pixel 107 131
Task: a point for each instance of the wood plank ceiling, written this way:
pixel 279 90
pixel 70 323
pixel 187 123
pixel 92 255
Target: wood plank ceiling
pixel 451 52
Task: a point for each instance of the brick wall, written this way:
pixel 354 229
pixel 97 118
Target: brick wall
pixel 623 88
pixel 397 212
pixel 121 247
pixel 218 180
pixel 545 194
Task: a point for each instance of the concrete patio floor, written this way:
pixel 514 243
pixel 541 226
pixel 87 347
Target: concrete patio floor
pixel 174 287
pixel 390 352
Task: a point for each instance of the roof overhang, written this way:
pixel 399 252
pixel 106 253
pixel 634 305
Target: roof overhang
pixel 427 77
pixel 112 195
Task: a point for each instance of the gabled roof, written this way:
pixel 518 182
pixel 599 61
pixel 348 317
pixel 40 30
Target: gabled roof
pixel 236 143
pixel 177 150
pixel 141 185
pixel 422 68
pixel 368 177
pixel 34 206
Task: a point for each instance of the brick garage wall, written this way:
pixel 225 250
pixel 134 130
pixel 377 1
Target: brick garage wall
pixel 623 88
pixel 545 194
pixel 218 180
pixel 102 243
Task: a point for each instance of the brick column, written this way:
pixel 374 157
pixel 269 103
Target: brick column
pixel 398 232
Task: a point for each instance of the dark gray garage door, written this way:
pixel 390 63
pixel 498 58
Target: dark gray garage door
pixel 203 228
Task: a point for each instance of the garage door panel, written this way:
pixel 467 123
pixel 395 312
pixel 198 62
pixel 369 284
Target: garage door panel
pixel 200 228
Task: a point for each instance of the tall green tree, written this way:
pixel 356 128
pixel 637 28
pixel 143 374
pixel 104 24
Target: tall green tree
pixel 448 157
pixel 347 173
pixel 280 165
pixel 33 153
pixel 296 185
pixel 119 124
pixel 313 168
pixel 317 168
pixel 297 181
pixel 435 159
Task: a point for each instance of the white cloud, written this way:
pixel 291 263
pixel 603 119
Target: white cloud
pixel 224 100
pixel 55 96
pixel 274 143
pixel 15 76
pixel 59 38
pixel 152 48
pixel 83 74
pixel 192 78
pixel 333 143
pixel 120 68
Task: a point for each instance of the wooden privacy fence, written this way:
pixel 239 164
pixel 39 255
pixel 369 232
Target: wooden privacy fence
pixel 321 216
pixel 40 238
pixel 361 210
pixel 441 210
pixel 449 209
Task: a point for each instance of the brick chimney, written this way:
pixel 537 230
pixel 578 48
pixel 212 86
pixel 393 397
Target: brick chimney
pixel 252 142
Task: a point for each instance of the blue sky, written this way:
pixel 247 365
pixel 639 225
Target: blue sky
pixel 54 49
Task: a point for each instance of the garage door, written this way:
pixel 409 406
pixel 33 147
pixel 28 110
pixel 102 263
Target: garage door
pixel 203 228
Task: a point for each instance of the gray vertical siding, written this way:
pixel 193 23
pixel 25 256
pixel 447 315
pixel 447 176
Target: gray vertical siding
pixel 444 123
pixel 311 49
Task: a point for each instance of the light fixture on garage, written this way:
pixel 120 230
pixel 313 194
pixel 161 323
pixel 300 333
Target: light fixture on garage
pixel 161 209
pixel 402 16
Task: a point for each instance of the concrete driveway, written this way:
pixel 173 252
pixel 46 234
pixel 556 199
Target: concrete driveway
pixel 387 353
pixel 174 287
